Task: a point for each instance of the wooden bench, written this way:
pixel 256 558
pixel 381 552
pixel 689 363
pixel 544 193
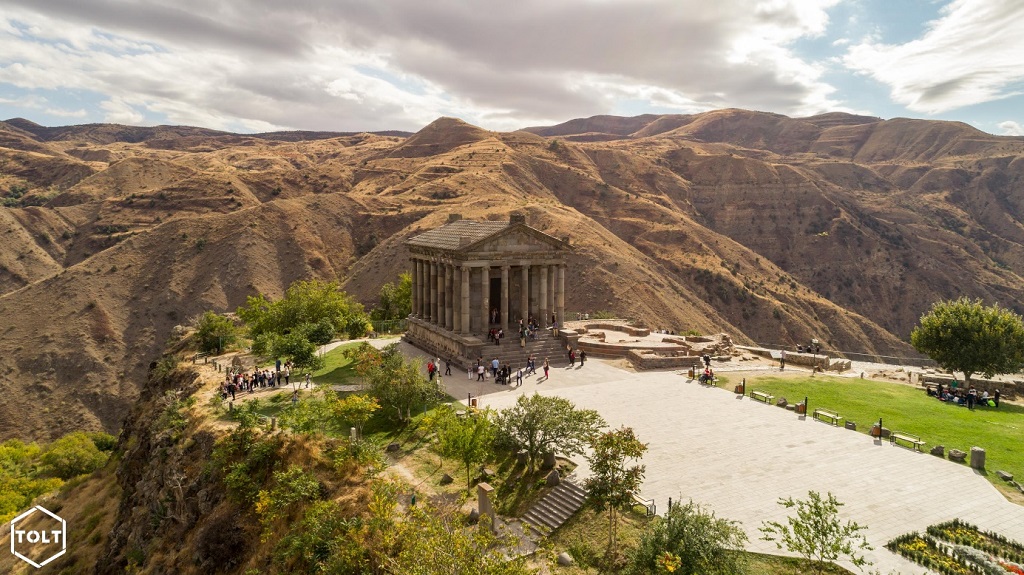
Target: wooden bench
pixel 823 414
pixel 761 396
pixel 912 440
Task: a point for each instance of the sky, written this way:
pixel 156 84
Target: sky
pixel 361 65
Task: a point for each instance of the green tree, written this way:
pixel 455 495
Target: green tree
pixel 310 314
pixel 73 455
pixel 467 439
pixel 394 300
pixel 542 424
pixel 693 539
pixel 215 332
pixel 612 483
pixel 966 336
pixel 355 409
pixel 816 532
pixel 397 383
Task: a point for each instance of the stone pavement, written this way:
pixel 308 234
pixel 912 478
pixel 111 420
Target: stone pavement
pixel 738 456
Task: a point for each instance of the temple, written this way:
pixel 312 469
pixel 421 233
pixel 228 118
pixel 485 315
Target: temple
pixel 469 277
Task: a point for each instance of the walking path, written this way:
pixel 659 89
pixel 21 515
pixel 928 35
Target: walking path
pixel 739 457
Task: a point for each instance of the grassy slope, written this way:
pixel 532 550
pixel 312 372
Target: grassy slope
pixel 910 409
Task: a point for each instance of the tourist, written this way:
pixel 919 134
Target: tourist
pixel 707 360
pixel 985 398
pixel 572 357
pixel 494 367
pixel 480 372
pixel 547 366
pixel 287 373
pixel 295 397
pixel 430 370
pixel 583 356
pixel 309 379
pixel 995 398
pixel 469 372
pixel 782 360
pixel 447 366
pixel 519 377
pixel 972 397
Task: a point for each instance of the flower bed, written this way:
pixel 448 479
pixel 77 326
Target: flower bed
pixel 958 548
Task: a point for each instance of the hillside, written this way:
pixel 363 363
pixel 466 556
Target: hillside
pixel 772 229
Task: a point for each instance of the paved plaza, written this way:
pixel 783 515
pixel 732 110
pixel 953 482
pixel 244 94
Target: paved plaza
pixel 738 456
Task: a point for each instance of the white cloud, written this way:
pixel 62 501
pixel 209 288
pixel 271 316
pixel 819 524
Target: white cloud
pixel 1011 128
pixel 971 54
pixel 360 64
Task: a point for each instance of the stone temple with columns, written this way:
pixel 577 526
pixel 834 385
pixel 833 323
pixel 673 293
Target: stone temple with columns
pixel 469 277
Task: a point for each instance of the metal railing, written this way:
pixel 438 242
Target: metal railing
pixel 389 326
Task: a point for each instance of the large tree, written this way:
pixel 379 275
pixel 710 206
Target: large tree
pixel 467 439
pixel 394 300
pixel 612 482
pixel 397 383
pixel 966 336
pixel 540 424
pixel 310 314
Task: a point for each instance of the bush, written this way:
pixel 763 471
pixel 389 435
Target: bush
pixel 72 455
pixel 694 538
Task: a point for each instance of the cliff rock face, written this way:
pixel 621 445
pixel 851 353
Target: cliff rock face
pixel 773 229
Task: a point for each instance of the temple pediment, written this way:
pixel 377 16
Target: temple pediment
pixel 465 238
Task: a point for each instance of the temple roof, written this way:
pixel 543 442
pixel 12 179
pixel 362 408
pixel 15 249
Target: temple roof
pixel 455 234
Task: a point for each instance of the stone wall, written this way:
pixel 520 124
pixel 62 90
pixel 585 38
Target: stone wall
pixel 1007 389
pixel 648 359
pixel 633 331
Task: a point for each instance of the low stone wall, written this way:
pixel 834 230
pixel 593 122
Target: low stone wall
pixel 823 362
pixel 649 359
pixel 600 349
pixel 1007 389
pixel 440 343
pixel 634 331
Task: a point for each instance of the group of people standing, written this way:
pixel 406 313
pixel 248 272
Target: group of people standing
pixel 259 378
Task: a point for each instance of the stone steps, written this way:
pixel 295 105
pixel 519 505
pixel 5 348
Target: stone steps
pixel 556 507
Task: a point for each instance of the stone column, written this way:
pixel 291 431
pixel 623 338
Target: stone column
pixel 415 293
pixel 464 307
pixel 504 299
pixel 424 288
pixel 560 296
pixel 544 315
pixel 456 299
pixel 448 284
pixel 432 286
pixel 485 297
pixel 552 277
pixel 524 294
pixel 439 320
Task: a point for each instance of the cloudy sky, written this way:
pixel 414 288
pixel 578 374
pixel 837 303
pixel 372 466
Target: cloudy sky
pixel 259 65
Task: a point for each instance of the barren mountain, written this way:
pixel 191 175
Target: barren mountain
pixel 773 229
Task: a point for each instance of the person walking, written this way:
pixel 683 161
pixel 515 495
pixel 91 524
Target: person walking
pixel 572 358
pixel 309 379
pixel 494 368
pixel 782 360
pixel 480 372
pixel 547 366
pixel 447 366
pixel 583 357
pixel 519 377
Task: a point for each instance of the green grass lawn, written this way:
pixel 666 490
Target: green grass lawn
pixel 904 408
pixel 338 369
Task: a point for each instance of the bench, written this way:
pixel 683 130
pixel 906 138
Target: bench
pixel 912 440
pixel 647 504
pixel 761 396
pixel 823 414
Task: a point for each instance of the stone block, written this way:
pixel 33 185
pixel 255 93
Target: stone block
pixel 446 479
pixel 474 516
pixel 393 447
pixel 553 478
pixel 782 402
pixel 564 559
pixel 851 425
pixel 549 461
pixel 1004 475
pixel 957 455
pixel 791 407
pixel 977 458
pixel 939 450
